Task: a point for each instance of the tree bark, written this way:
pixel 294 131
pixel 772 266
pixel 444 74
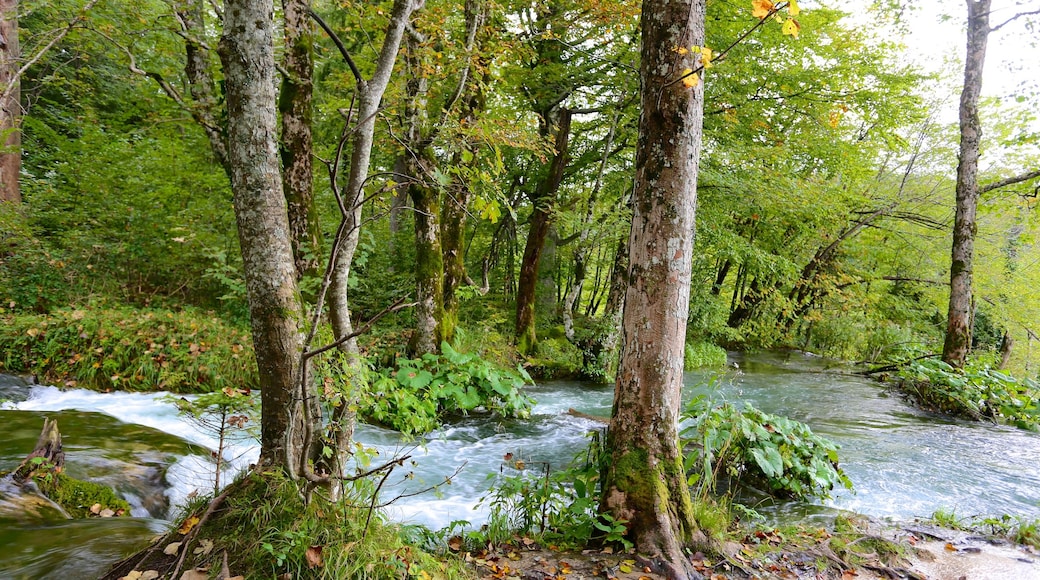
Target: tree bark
pixel 958 325
pixel 429 265
pixel 48 447
pixel 11 107
pixel 198 69
pixel 644 481
pixel 370 95
pixel 297 147
pixel 247 52
pixel 538 231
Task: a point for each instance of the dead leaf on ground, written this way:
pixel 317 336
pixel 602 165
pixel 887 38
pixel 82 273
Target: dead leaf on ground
pixel 95 509
pixel 950 547
pixel 194 574
pixel 204 548
pixel 107 513
pixel 188 525
pixel 172 549
pixel 313 556
pixel 138 575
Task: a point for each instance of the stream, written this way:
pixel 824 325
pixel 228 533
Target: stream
pixel 904 463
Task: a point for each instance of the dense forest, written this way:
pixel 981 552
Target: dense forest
pixel 332 202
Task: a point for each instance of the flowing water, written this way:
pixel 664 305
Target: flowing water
pixel 904 463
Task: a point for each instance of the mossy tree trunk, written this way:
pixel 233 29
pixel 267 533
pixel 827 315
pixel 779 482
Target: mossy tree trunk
pixel 247 52
pixel 538 231
pixel 958 321
pixel 644 481
pixel 297 147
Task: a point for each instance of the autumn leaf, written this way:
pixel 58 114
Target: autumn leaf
pixel 792 8
pixel 791 27
pixel 172 548
pixel 690 78
pixel 313 556
pixel 681 50
pixel 188 525
pixel 706 57
pixel 761 8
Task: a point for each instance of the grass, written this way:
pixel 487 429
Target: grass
pixel 130 349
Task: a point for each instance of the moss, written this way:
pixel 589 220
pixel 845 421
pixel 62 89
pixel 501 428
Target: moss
pixel 78 497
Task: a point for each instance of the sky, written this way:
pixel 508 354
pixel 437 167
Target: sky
pixel 937 33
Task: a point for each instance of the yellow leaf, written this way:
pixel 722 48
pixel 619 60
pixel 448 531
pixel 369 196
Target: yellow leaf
pixel 835 118
pixel 792 7
pixel 680 49
pixel 791 27
pixel 761 8
pixel 706 56
pixel 188 525
pixel 690 78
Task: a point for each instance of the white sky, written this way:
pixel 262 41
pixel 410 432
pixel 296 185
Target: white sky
pixel 937 33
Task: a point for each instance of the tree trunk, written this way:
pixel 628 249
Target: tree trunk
pixel 11 107
pixel 48 448
pixel 538 231
pixel 958 326
pixel 247 51
pixel 644 481
pixel 453 228
pixel 429 266
pixel 294 104
pixel 198 69
pixel 370 95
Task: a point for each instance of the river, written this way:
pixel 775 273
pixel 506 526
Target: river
pixel 904 463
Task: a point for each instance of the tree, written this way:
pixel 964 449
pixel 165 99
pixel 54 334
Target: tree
pixel 247 52
pixel 961 305
pixel 10 105
pixel 644 481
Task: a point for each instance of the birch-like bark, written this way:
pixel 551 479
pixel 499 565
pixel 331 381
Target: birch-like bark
pixel 247 52
pixel 644 480
pixel 958 322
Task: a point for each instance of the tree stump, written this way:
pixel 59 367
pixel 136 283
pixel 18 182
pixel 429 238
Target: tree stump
pixel 47 455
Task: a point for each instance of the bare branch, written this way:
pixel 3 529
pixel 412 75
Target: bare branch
pixel 1013 18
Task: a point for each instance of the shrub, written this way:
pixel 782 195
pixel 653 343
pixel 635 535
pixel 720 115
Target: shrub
pixel 699 355
pixel 556 358
pixel 129 349
pixel 977 392
pixel 419 393
pixel 777 454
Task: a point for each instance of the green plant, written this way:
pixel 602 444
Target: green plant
pixel 778 454
pixel 419 393
pixel 229 414
pixel 977 392
pixel 947 518
pixel 697 355
pixel 129 349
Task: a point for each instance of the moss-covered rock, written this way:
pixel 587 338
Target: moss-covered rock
pixel 81 499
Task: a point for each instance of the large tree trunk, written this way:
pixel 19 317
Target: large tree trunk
pixel 644 481
pixel 958 324
pixel 538 231
pixel 247 51
pixel 297 144
pixel 11 107
pixel 429 266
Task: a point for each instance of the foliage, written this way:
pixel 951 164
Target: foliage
pixel 700 355
pixel 561 507
pixel 556 358
pixel 977 392
pixel 228 414
pixel 780 455
pixel 103 347
pixel 268 529
pixel 1018 529
pixel 416 395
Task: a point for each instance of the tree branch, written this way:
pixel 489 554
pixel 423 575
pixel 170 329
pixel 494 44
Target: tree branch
pixel 12 83
pixel 339 44
pixel 1013 18
pixel 1009 181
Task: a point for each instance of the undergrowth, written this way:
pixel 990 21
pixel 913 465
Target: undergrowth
pixel 977 392
pixel 129 349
